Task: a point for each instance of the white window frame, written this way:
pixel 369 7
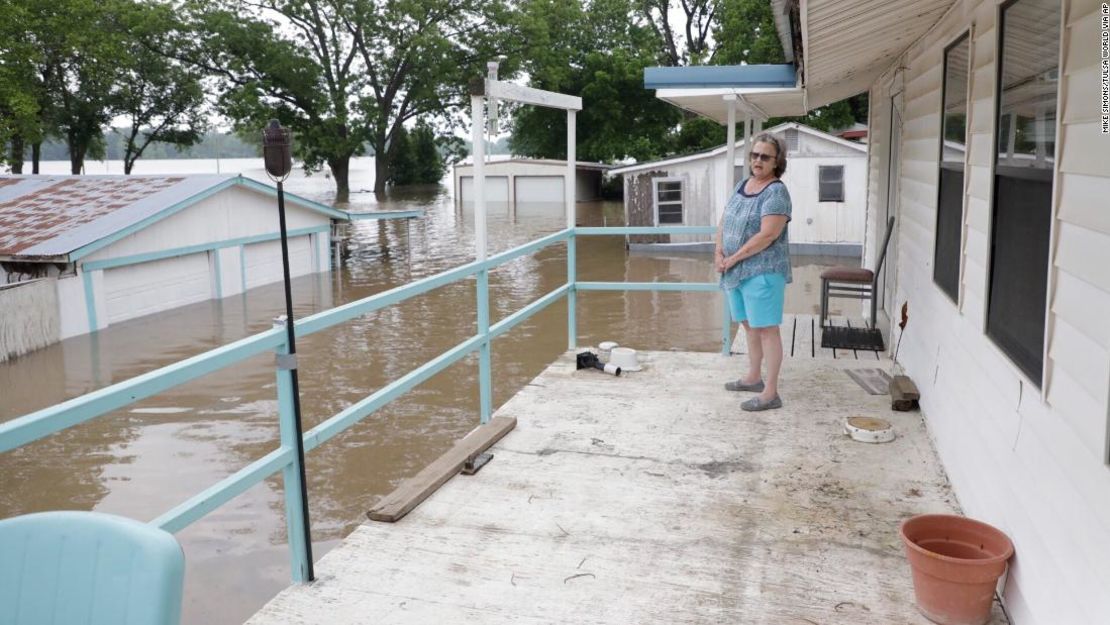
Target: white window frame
pixel 819 183
pixel 655 182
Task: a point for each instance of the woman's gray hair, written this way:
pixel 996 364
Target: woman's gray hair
pixel 780 150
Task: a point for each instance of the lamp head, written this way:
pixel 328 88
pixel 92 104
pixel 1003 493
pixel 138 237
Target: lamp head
pixel 277 151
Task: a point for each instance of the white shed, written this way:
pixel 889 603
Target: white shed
pixel 528 181
pixel 826 175
pixel 119 247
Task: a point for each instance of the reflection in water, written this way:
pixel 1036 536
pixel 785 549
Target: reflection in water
pixel 144 460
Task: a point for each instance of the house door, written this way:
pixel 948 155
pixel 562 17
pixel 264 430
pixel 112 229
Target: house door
pixel 888 283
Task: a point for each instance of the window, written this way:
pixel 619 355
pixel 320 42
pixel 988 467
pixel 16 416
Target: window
pixel 668 201
pixel 950 190
pixel 1021 217
pixel 830 183
pixel 791 140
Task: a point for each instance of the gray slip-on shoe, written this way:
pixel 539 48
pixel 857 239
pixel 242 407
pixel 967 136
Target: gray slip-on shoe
pixel 740 385
pixel 756 404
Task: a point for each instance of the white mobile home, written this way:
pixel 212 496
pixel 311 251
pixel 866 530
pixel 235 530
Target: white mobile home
pixel 1000 251
pixel 826 175
pixel 989 140
pixel 119 247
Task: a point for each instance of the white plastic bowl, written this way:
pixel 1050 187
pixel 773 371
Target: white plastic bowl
pixel 625 358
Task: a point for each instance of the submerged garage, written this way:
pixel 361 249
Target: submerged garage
pixel 120 247
pixel 528 181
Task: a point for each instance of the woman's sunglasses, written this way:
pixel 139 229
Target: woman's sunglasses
pixel 762 157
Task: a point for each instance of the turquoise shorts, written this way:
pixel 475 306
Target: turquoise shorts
pixel 758 300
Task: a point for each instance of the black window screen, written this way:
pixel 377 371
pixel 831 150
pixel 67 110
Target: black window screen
pixel 669 201
pixel 1024 162
pixel 830 181
pixel 953 146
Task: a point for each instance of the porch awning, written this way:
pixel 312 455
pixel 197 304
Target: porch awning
pixel 718 76
pixel 754 103
pixel 762 90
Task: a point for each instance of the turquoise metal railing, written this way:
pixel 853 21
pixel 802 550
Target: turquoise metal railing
pixel 37 425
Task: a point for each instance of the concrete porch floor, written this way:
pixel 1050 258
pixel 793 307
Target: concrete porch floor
pixel 652 498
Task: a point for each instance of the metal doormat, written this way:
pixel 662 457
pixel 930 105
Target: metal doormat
pixel 841 337
pixel 874 381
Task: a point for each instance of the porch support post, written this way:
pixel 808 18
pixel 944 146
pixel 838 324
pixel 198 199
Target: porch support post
pixel 730 146
pixel 572 295
pixel 747 148
pixel 485 366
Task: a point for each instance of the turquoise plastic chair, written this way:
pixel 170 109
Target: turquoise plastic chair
pixel 88 568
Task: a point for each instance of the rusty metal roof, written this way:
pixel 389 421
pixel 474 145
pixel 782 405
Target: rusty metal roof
pixel 48 218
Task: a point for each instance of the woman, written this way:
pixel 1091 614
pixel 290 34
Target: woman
pixel 753 257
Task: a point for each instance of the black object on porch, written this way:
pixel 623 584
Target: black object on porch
pixel 843 337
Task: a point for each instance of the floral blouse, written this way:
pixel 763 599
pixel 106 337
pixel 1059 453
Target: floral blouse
pixel 743 219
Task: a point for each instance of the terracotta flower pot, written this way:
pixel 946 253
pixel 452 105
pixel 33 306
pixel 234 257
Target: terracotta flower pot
pixel 956 563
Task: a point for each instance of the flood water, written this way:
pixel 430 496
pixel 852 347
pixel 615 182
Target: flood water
pixel 144 460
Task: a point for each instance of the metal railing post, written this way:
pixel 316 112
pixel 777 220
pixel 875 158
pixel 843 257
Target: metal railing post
pixel 572 294
pixel 485 374
pixel 571 197
pixel 292 474
pixel 485 366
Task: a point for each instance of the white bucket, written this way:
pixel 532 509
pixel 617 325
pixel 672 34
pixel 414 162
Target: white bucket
pixel 625 358
pixel 604 350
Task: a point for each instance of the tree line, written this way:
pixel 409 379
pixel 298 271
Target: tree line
pixel 351 77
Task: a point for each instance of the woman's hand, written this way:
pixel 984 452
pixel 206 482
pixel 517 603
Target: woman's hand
pixel 719 261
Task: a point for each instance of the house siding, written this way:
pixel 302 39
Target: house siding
pixel 640 205
pixel 706 188
pixel 1031 462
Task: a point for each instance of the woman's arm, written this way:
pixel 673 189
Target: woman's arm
pixel 719 251
pixel 770 228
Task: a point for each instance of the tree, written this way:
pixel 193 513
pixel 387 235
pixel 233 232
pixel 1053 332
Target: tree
pixel 415 157
pixel 596 50
pixel 70 66
pixel 429 164
pixel 746 34
pixel 418 57
pixel 402 162
pixel 19 111
pixel 696 48
pixel 162 98
pixel 341 73
pixel 82 58
pixel 290 60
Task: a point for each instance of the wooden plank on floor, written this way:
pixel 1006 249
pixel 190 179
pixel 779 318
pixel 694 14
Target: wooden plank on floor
pixel 416 489
pixel 803 336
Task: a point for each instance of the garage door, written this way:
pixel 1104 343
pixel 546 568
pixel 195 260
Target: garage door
pixel 497 188
pixel 138 290
pixel 539 189
pixel 263 260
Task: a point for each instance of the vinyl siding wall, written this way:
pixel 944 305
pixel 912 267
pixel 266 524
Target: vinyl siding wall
pixel 1032 463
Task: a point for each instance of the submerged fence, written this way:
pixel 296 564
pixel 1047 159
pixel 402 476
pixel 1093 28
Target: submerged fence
pixel 28 317
pixel 37 425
